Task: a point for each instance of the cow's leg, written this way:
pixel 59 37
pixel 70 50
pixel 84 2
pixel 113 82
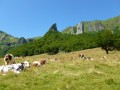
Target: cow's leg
pixel 5 62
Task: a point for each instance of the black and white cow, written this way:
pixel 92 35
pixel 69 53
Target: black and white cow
pixel 16 68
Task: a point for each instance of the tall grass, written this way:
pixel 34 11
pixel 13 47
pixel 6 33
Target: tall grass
pixel 67 73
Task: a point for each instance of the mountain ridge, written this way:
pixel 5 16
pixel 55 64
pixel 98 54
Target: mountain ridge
pixel 95 25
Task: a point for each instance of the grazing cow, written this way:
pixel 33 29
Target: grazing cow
pixel 85 58
pixel 81 55
pixel 39 63
pixel 88 58
pixel 8 58
pixel 36 63
pixel 42 62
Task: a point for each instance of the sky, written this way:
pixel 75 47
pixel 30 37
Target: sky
pixel 32 18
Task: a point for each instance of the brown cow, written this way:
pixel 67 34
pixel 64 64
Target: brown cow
pixel 81 55
pixel 36 63
pixel 9 59
pixel 39 63
pixel 42 62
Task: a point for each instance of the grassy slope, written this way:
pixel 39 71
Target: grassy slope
pixel 67 73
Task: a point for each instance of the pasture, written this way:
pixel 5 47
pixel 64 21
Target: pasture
pixel 67 72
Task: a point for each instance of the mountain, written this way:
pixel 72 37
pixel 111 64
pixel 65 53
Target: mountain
pixel 88 26
pixel 52 31
pixel 53 27
pixel 7 39
pixel 8 42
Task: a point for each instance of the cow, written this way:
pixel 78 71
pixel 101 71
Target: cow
pixel 42 62
pixel 8 59
pixel 20 66
pixel 36 63
pixel 81 55
pixel 16 68
pixel 39 63
pixel 88 58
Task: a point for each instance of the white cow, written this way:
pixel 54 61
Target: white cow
pixel 5 69
pixel 16 68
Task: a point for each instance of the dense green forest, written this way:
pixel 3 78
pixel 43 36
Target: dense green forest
pixel 54 41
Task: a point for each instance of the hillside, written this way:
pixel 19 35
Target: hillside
pixel 67 73
pixel 54 41
pixel 88 26
pixel 8 42
pixel 6 38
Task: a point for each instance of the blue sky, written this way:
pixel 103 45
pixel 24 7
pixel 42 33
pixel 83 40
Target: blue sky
pixel 31 18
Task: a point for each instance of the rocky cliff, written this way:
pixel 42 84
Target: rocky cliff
pixel 88 26
pixel 80 28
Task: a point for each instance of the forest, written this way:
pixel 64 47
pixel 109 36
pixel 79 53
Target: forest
pixel 54 42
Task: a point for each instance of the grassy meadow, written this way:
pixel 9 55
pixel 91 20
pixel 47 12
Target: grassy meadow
pixel 69 72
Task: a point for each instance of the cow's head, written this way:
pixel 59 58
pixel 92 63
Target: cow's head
pixel 26 64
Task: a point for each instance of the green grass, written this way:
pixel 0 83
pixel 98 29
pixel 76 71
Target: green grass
pixel 67 73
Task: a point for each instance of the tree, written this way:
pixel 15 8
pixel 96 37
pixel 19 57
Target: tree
pixel 116 31
pixel 105 40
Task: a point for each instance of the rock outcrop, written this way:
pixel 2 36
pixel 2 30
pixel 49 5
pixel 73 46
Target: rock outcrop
pixel 80 28
pixel 22 40
pixel 96 25
pixel 53 27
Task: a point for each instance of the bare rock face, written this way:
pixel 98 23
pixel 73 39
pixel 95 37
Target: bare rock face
pixel 96 26
pixel 72 30
pixel 80 28
pixel 89 28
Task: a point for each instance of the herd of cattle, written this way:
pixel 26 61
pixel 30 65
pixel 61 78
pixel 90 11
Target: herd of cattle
pixel 11 65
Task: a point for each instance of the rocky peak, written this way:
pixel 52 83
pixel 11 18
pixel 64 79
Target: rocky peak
pixel 53 27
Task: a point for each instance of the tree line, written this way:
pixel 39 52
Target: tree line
pixel 54 42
